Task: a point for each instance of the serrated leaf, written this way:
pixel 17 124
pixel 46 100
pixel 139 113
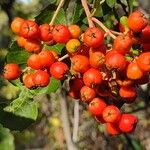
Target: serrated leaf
pixel 52 87
pixel 23 108
pixel 6 139
pixel 111 3
pixel 16 54
pixel 61 18
pixel 58 47
pixel 45 15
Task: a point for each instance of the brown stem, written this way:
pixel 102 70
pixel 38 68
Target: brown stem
pixel 104 27
pixel 87 11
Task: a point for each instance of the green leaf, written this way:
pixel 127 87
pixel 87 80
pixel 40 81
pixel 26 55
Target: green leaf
pixel 111 3
pixel 18 57
pixel 16 54
pixel 23 106
pixel 46 14
pixel 61 18
pixel 78 11
pixel 14 122
pixel 14 47
pixel 58 47
pixel 98 7
pixel 6 139
pixel 130 5
pixel 52 87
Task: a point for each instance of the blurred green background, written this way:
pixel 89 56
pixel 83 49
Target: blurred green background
pixel 47 133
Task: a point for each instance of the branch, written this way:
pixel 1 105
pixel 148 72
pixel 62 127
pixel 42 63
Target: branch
pixel 56 12
pixel 87 11
pixel 65 120
pixel 104 27
pixel 76 121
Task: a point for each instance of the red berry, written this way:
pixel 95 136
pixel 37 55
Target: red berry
pixel 146 47
pixel 129 93
pixel 11 71
pixel 137 21
pixel 127 123
pixel 34 62
pixel 29 81
pixel 45 32
pixel 80 63
pixel 16 24
pixel 29 29
pixel 97 106
pixel 58 70
pixel 46 58
pixel 111 114
pixel 114 60
pixel 92 77
pixel 61 34
pixel 112 129
pixel 41 78
pixel 143 61
pixel 122 44
pixel 32 46
pixel 87 94
pixel 133 71
pixel 145 34
pixel 93 37
pixel 97 59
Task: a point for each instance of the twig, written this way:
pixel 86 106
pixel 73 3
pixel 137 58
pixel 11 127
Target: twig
pixel 56 12
pixel 63 57
pixel 103 27
pixel 65 120
pixel 76 121
pixel 87 11
pixel 115 32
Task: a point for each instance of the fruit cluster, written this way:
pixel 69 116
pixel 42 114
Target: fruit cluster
pixel 105 76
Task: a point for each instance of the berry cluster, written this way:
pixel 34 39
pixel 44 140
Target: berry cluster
pixel 105 76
